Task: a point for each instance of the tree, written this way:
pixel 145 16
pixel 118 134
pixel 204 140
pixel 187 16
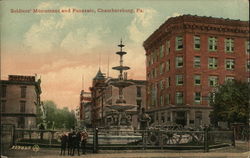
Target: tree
pixel 58 118
pixel 231 103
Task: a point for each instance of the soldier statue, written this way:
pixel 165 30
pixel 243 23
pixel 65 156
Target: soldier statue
pixel 144 120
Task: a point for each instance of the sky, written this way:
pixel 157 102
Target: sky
pixel 67 49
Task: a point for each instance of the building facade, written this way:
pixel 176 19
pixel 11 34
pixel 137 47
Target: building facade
pixel 187 57
pixel 85 108
pixel 20 96
pixel 97 92
pixel 105 94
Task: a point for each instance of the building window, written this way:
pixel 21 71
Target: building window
pixel 161 68
pixel 197 97
pixel 247 46
pixel 179 62
pixel 3 105
pixel 179 80
pixel 229 45
pixel 197 42
pixel 151 59
pixel 167 82
pixel 22 106
pixel 229 79
pixel 23 91
pixel 212 63
pixel 198 118
pixel 197 79
pixel 161 100
pixel 248 65
pixel 162 117
pixel 161 51
pixel 154 95
pixel 229 64
pixel 161 85
pixel 168 47
pixel 197 62
pixel 167 65
pixel 211 97
pixel 154 72
pixel 167 99
pixel 138 91
pixel 138 102
pixel 179 98
pixel 21 122
pixel 3 91
pixel 212 43
pixel 179 43
pixel 213 80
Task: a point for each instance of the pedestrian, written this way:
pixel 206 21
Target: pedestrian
pixel 41 128
pixel 84 137
pixel 77 140
pixel 70 142
pixel 64 140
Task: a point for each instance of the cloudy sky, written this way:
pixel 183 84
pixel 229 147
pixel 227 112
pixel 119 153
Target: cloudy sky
pixel 63 47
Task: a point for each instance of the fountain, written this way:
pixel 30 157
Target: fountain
pixel 121 120
pixel 120 130
pixel 120 107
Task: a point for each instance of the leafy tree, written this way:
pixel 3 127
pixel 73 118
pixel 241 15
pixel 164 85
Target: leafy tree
pixel 231 103
pixel 58 118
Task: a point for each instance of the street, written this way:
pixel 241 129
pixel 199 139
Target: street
pixel 240 151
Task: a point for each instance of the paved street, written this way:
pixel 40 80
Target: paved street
pixel 240 151
pixel 139 154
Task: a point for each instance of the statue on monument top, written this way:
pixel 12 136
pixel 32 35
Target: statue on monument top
pixel 144 120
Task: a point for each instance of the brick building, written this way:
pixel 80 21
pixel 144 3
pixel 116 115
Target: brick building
pixel 104 94
pixel 20 96
pixel 186 58
pixel 85 108
pixel 98 85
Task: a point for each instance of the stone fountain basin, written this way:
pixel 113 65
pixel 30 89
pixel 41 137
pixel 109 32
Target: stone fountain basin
pixel 114 139
pixel 121 107
pixel 122 84
pixel 121 68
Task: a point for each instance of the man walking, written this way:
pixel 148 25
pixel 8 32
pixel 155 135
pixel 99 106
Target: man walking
pixel 64 140
pixel 77 140
pixel 70 142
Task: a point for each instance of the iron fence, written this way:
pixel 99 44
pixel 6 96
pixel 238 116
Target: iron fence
pixel 132 139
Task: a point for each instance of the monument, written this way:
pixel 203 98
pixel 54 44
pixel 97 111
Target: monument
pixel 121 119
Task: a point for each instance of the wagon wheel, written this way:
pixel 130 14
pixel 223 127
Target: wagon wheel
pixel 153 138
pixel 171 138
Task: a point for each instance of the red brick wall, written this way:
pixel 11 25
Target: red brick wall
pixel 187 30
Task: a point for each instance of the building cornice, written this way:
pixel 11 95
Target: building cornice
pixel 4 114
pixel 187 23
pixel 179 107
pixel 36 84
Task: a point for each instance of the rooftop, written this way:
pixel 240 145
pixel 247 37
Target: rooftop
pixel 197 19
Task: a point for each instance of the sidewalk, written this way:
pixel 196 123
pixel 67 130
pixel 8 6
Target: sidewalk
pixel 145 155
pixel 240 151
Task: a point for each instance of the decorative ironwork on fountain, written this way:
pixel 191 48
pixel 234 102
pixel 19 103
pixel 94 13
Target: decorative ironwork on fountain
pixel 121 106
